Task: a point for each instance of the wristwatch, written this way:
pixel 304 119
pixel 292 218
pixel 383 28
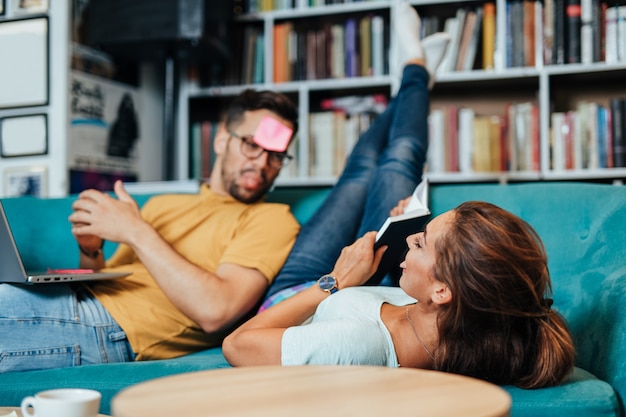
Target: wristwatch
pixel 328 283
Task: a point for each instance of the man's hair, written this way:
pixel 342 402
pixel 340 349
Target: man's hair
pixel 250 100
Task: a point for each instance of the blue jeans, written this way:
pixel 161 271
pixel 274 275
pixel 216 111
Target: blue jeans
pixel 56 326
pixel 385 166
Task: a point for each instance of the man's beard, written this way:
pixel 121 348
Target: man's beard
pixel 235 190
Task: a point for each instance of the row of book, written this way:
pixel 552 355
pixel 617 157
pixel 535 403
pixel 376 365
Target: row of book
pixel 335 129
pixel 590 137
pixel 353 48
pixel 201 155
pixel 556 32
pixel 466 29
pixel 537 32
pixel 463 141
pixel 256 6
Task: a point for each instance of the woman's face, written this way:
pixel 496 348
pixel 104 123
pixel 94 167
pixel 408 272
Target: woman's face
pixel 417 278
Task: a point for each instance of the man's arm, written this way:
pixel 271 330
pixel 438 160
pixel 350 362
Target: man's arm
pixel 211 300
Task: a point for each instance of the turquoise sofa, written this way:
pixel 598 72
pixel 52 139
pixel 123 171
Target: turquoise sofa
pixel 583 228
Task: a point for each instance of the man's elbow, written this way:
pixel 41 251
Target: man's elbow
pixel 215 321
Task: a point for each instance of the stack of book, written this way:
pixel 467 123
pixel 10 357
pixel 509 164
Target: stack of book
pixel 590 137
pixel 352 48
pixel 463 141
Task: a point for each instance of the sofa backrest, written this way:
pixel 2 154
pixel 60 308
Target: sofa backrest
pixel 42 231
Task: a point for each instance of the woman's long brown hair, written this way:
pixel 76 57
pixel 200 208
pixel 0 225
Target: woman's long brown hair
pixel 499 325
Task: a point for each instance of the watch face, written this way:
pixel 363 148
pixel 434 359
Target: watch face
pixel 327 282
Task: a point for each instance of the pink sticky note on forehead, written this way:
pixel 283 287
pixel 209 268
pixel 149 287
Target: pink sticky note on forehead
pixel 272 135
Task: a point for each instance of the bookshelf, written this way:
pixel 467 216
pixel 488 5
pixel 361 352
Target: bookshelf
pixel 522 92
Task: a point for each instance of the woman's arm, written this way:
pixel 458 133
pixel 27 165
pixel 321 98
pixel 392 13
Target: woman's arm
pixel 258 341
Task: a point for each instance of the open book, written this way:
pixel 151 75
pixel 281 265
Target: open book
pixel 394 231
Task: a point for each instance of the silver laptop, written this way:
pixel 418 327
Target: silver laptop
pixel 12 269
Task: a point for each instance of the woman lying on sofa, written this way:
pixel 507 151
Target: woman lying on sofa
pixel 471 297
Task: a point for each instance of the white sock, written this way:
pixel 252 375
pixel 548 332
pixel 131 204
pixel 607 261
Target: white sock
pixel 407 27
pixel 434 47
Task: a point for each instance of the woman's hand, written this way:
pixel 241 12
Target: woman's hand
pixel 399 209
pixel 357 262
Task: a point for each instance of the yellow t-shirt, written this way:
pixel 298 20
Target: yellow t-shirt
pixel 208 230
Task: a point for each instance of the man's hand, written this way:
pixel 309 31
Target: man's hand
pixel 99 216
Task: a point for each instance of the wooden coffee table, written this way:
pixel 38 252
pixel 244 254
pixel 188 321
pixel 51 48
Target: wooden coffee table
pixel 304 391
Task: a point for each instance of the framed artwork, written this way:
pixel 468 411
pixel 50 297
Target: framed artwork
pixel 29 6
pixel 26 181
pixel 24 135
pixel 24 53
pixel 1 7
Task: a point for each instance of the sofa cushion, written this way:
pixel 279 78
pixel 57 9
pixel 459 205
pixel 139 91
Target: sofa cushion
pixel 582 394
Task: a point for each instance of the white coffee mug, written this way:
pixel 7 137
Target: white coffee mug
pixel 64 402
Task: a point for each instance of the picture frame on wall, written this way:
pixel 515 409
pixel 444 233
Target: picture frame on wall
pixel 29 6
pixel 26 181
pixel 25 44
pixel 1 7
pixel 24 135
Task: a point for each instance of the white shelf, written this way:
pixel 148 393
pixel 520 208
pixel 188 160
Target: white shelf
pixel 538 84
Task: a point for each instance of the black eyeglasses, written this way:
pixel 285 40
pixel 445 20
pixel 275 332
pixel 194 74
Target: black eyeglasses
pixel 251 150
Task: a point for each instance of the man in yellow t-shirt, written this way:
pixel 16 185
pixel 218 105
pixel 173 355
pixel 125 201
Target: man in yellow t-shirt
pixel 200 263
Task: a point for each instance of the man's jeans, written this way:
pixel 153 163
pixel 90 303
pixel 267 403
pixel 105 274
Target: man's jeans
pixel 54 326
pixel 385 166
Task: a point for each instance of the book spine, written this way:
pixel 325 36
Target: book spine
pixel 466 139
pixel 378 42
pixel 365 46
pixel 436 141
pixel 455 41
pixel 586 32
pixel 292 53
pixel 466 36
pixel 451 27
pixel 351 50
pixel 597 27
pixel 602 137
pixel 259 60
pixel 619 139
pixel 548 31
pixel 558 57
pixel 621 33
pixel 558 149
pixel 468 64
pixel 517 34
pixel 489 35
pixel 338 52
pixel 528 38
pixel 573 27
pixel 610 40
pixel 538 32
pixel 195 150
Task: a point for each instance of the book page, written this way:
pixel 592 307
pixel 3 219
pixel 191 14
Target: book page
pixel 419 198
